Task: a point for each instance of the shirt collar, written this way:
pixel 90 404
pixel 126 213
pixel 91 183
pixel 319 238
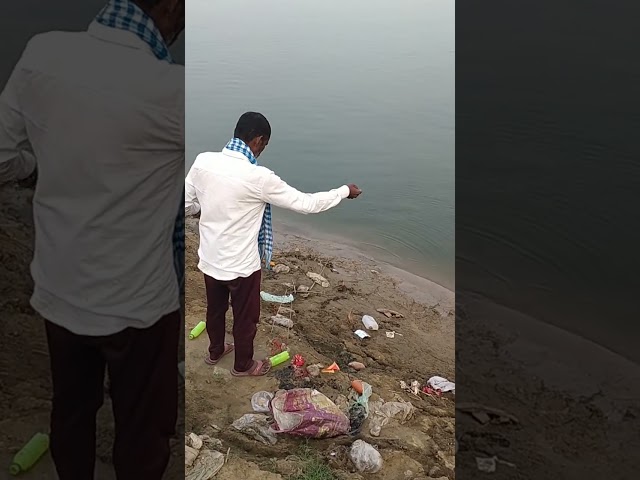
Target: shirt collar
pixel 118 36
pixel 234 154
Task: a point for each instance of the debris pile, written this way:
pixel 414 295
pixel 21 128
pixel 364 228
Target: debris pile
pixel 201 459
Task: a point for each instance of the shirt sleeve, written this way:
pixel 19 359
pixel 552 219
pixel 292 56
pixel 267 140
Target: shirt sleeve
pixel 277 192
pixel 191 204
pixel 17 160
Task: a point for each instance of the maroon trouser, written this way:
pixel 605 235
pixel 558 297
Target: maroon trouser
pixel 142 366
pixel 245 301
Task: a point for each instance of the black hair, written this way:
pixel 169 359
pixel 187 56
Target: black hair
pixel 252 125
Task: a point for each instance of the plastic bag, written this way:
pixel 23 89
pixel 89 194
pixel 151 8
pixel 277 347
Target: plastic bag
pixel 363 399
pixel 308 413
pixel 260 401
pixel 365 457
pixel 441 383
pixel 256 426
pixel 382 413
pixel 206 466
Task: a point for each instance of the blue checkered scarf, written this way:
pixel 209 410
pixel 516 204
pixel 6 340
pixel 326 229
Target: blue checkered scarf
pixel 265 237
pixel 125 15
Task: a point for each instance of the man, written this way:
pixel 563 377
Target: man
pixel 234 196
pixel 101 113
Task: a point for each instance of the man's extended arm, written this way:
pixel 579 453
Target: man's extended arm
pixel 17 160
pixel 191 204
pixel 277 192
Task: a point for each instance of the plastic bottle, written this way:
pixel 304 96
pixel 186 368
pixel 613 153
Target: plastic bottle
pixel 29 454
pixel 197 330
pixel 369 322
pixel 279 358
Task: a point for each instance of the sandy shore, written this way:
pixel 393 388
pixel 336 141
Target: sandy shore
pixel 572 424
pixel 419 288
pixel 324 322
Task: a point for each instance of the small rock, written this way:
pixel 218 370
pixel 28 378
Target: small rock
pixel 194 441
pixel 390 313
pixel 487 465
pixel 314 370
pixel 288 468
pixel 221 372
pixel 357 366
pixel 319 279
pixel 342 403
pixel 435 471
pixel 190 455
pixel 281 268
pixel 282 321
pixel 211 443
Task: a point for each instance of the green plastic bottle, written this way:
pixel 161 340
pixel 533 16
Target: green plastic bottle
pixel 197 330
pixel 30 454
pixel 279 358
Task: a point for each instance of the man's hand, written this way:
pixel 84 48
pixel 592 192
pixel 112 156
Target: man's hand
pixel 354 191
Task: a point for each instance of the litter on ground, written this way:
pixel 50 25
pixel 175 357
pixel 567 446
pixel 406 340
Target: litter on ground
pixel 333 368
pixel 257 426
pixel 282 321
pixel 389 313
pixel 488 464
pixel 362 334
pixel 484 414
pixel 201 460
pixel 365 457
pixel 281 268
pixel 319 279
pixel 441 383
pixel 308 413
pixel 286 310
pixel 383 412
pixel 369 322
pixel 267 297
pixel 260 401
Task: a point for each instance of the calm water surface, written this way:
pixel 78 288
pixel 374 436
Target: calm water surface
pixel 355 91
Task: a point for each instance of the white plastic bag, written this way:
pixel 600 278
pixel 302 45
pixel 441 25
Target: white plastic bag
pixel 382 413
pixel 441 383
pixel 365 457
pixel 260 402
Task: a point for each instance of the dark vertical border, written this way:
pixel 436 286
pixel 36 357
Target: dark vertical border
pixel 25 384
pixel 546 182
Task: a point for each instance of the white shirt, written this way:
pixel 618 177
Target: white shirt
pixel 105 119
pixel 231 195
